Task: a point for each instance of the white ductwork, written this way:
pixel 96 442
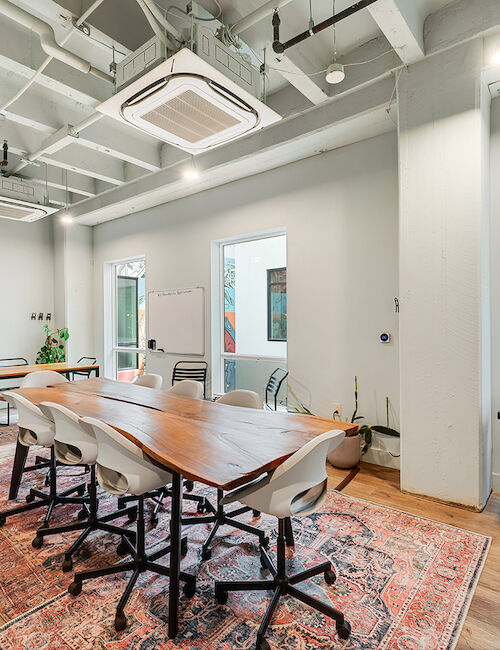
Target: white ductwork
pixel 48 41
pixel 163 21
pixel 257 15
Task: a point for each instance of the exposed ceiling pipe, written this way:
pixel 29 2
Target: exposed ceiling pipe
pixel 257 15
pixel 163 21
pixel 48 41
pixel 45 63
pixel 154 25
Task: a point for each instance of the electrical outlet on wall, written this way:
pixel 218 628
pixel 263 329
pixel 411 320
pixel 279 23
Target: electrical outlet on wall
pixel 337 410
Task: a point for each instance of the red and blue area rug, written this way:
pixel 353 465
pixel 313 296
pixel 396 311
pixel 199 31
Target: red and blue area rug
pixel 404 582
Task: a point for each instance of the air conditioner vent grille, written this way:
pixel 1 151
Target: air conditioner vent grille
pixel 13 210
pixel 190 117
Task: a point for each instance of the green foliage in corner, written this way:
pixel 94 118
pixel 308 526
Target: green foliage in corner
pixel 52 351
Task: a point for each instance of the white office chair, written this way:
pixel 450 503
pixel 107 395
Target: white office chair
pixel 75 444
pixel 43 378
pixel 245 399
pixel 149 380
pixel 123 468
pixel 187 388
pixel 35 429
pixel 298 487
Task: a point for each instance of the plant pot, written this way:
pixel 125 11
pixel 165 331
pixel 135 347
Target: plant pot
pixel 347 454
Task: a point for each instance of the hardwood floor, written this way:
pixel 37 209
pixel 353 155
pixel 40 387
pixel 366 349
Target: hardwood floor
pixel 381 485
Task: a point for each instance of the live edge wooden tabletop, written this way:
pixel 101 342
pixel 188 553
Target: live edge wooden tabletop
pixel 220 445
pixel 13 372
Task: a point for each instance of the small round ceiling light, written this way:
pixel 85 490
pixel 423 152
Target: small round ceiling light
pixel 335 73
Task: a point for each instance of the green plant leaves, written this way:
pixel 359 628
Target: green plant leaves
pixel 387 430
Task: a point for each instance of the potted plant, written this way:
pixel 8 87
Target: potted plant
pixel 52 351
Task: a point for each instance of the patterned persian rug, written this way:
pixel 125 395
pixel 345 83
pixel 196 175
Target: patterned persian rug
pixel 404 582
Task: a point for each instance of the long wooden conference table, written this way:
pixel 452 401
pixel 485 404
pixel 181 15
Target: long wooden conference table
pixel 64 367
pixel 216 444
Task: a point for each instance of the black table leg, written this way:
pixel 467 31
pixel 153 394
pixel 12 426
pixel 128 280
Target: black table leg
pixel 175 555
pixel 97 372
pixel 18 468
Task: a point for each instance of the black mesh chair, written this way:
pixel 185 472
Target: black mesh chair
pixel 273 386
pixel 84 373
pixel 195 370
pixel 6 363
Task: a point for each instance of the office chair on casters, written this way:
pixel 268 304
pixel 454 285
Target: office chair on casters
pixel 36 429
pixel 149 380
pixel 75 444
pixel 6 363
pixel 297 488
pixel 195 370
pixel 273 386
pixel 123 468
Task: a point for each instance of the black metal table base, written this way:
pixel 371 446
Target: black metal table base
pixel 283 585
pixel 143 562
pixel 93 522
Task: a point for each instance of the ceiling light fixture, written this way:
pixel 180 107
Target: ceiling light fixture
pixel 495 59
pixel 335 72
pixel 190 174
pixel 67 218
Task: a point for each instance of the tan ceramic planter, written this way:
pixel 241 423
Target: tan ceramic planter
pixel 347 454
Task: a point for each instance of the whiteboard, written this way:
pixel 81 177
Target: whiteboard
pixel 176 319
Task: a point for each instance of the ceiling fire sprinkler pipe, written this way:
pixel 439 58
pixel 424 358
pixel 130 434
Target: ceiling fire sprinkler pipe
pixel 257 15
pixel 48 40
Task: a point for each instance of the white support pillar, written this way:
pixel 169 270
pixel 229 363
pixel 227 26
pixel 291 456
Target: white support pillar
pixel 444 278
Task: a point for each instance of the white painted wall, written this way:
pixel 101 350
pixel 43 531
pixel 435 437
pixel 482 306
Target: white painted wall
pixel 340 213
pixel 495 286
pixel 26 266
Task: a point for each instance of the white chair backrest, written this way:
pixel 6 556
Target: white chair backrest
pixel 149 380
pixel 74 444
pixel 34 427
pixel 42 378
pixel 187 388
pixel 121 465
pixel 240 397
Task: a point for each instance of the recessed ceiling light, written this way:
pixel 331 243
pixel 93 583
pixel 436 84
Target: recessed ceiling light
pixel 190 174
pixel 335 73
pixel 67 218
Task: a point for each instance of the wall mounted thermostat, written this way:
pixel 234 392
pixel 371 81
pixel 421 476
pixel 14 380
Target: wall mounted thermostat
pixel 385 337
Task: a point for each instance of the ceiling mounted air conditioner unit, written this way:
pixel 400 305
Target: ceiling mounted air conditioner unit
pixel 19 201
pixel 192 104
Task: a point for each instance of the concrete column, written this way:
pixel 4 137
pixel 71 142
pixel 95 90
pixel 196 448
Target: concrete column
pixel 444 278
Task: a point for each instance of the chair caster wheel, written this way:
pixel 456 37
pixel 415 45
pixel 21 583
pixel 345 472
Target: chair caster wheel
pixel 132 515
pixel 189 486
pixel 154 521
pixel 67 565
pixel 201 507
pixel 75 588
pixel 262 645
pixel 221 596
pixel 184 546
pixel 189 589
pixel 122 549
pixel 120 622
pixel 344 630
pixel 30 498
pixel 265 543
pixel 37 542
pixel 80 490
pixel 256 513
pixel 82 514
pixel 330 577
pixel 3 520
pixel 206 553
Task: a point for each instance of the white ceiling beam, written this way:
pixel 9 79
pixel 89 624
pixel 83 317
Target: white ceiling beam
pixel 402 23
pixel 88 163
pixel 334 123
pixel 298 78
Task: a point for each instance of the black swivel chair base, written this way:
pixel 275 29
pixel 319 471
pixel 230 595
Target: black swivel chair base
pixel 141 562
pixel 94 522
pixel 283 585
pixel 222 518
pixel 38 499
